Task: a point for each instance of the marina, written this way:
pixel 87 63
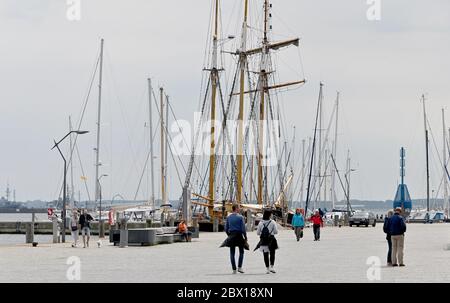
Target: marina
pixel 169 135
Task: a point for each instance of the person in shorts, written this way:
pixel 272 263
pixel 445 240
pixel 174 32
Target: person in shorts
pixel 85 225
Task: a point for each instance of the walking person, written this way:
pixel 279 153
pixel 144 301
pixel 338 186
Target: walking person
pixel 85 224
pixel 298 223
pixel 74 227
pixel 267 229
pixel 237 236
pixel 317 221
pixel 387 231
pixel 397 228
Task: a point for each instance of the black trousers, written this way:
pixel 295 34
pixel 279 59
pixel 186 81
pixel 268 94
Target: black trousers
pixel 272 258
pixel 316 230
pixel 389 255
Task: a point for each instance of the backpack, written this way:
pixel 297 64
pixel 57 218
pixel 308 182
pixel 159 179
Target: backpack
pixel 265 234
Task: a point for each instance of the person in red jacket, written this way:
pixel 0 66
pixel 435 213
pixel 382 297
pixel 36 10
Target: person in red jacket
pixel 317 221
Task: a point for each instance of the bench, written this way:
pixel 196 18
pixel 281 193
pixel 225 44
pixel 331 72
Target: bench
pixel 151 236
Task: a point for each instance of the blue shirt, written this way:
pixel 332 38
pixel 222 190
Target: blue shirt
pixel 235 223
pixel 298 221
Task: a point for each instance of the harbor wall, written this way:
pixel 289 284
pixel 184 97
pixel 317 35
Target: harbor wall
pixel 45 228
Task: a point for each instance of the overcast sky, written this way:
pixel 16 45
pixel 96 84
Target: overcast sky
pixel 380 67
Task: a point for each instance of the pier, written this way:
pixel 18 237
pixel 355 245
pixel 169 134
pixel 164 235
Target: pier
pixel 342 255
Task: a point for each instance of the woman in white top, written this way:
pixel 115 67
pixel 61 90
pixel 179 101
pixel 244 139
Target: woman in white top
pixel 267 229
pixel 74 227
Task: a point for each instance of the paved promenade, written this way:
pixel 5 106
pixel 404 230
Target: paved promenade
pixel 340 256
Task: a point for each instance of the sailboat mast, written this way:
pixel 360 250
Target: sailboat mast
pixel 152 174
pixel 242 63
pixel 348 181
pixel 72 188
pixel 444 160
pixel 163 173
pixel 214 80
pixel 426 153
pixel 325 178
pixel 166 148
pixel 313 149
pixel 97 150
pixel 319 158
pixel 302 175
pixel 263 85
pixel 333 177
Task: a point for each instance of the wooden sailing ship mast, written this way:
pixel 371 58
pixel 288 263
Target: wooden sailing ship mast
pixel 235 172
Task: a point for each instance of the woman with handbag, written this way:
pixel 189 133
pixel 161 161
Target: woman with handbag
pixel 298 223
pixel 74 227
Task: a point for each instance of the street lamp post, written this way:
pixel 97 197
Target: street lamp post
pixel 100 221
pixel 63 217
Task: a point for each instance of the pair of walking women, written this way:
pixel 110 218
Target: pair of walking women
pixel 298 223
pixel 237 237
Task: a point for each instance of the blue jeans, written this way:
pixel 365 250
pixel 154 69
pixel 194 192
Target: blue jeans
pixel 232 258
pixel 186 235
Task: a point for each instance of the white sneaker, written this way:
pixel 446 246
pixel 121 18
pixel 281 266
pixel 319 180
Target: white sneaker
pixel 267 270
pixel 272 270
pixel 240 270
pixel 234 271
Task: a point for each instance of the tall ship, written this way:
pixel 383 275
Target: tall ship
pixel 240 152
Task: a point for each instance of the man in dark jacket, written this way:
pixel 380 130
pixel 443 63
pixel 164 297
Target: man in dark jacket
pixel 237 236
pixel 84 221
pixel 386 229
pixel 397 229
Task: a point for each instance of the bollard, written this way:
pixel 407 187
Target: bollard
pixel 55 229
pixel 249 221
pixel 123 234
pixel 216 225
pixel 29 235
pixel 33 219
pixel 163 223
pixel 117 221
pixel 346 220
pixel 195 226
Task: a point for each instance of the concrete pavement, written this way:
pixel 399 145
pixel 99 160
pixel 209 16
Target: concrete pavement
pixel 340 256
